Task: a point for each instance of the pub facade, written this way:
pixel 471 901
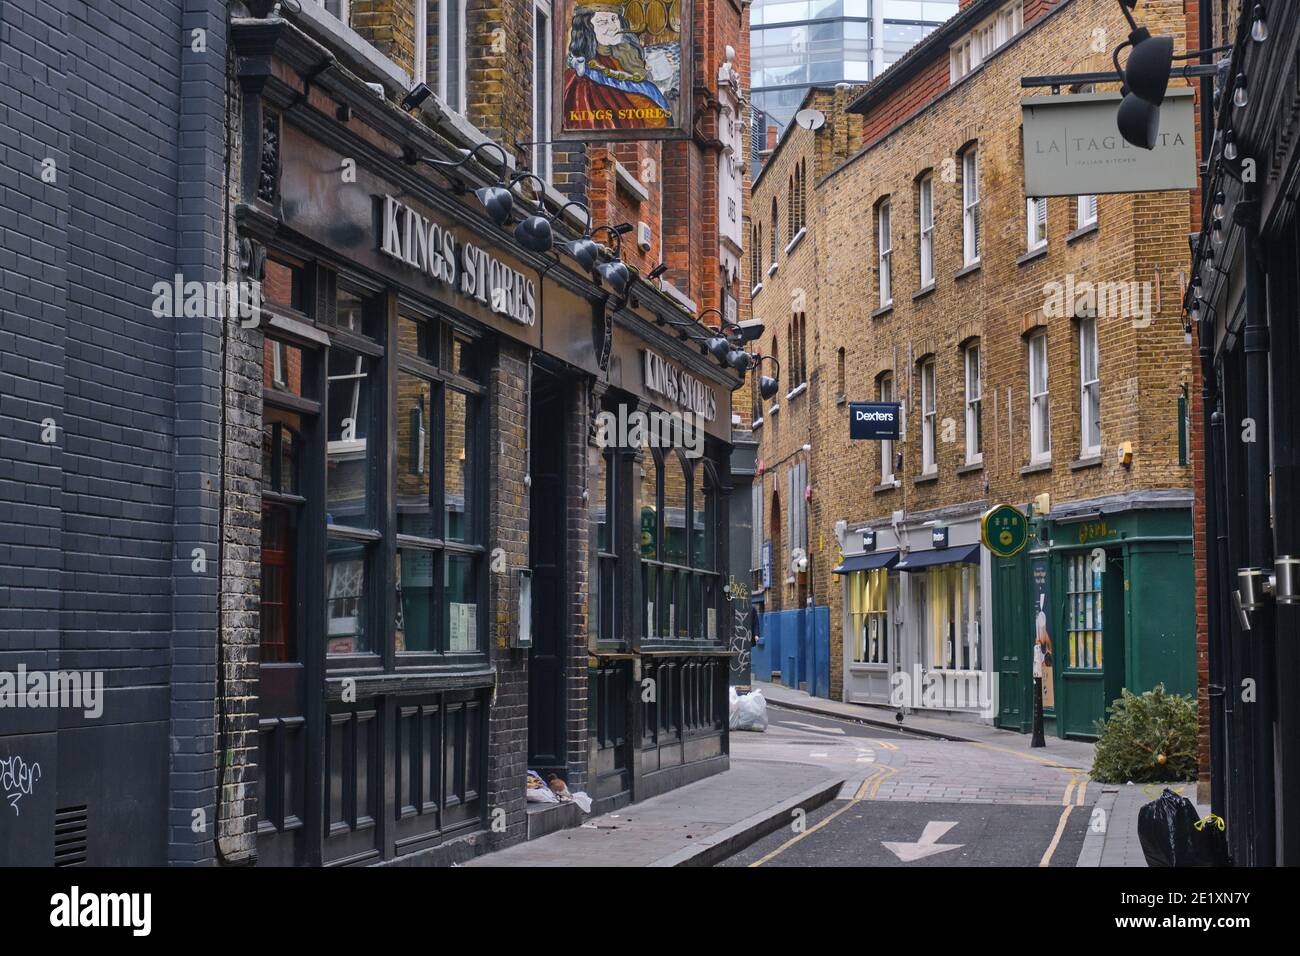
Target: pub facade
pixel 439 573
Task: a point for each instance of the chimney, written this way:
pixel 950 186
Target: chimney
pixel 771 137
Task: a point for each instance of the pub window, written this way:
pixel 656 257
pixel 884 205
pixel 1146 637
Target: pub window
pixel 282 500
pixel 679 562
pixel 438 508
pixel 650 541
pixel 351 520
pixel 607 545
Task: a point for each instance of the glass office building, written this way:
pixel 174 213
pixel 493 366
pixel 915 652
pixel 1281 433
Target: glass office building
pixel 795 44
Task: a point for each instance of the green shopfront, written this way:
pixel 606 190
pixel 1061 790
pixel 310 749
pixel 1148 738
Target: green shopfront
pixel 1106 586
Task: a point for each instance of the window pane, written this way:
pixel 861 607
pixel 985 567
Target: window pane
pixel 282 367
pixel 703 519
pixel 459 501
pixel 349 413
pixel 674 543
pixel 414 627
pixel 649 506
pixel 279 584
pixel 464 357
pixel 345 597
pixel 353 315
pixel 604 503
pixel 419 338
pixel 414 459
pixel 460 619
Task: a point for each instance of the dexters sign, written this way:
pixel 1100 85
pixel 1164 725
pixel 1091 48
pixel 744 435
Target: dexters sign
pixel 878 420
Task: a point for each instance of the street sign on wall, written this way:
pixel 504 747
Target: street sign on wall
pixel 1072 146
pixel 873 420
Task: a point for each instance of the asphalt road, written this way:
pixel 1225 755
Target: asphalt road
pixel 915 801
pixel 845 833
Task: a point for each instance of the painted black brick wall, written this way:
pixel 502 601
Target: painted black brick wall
pixel 97 527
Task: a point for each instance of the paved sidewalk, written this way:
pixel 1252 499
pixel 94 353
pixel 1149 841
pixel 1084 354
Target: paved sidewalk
pixel 1070 753
pixel 1112 838
pixel 695 825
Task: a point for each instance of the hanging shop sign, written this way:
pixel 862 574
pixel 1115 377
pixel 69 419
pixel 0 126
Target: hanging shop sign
pixel 1072 146
pixel 678 387
pixel 461 266
pixel 622 69
pixel 1004 531
pixel 874 420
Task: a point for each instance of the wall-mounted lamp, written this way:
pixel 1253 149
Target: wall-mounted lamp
pixel 497 200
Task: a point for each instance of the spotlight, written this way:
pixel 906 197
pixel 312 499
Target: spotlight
pixel 1138 121
pixel 740 361
pixel 534 234
pixel 719 348
pixel 1147 71
pixel 1145 79
pixel 615 274
pixel 418 94
pixel 767 387
pixel 585 252
pixel 1259 29
pixel 497 201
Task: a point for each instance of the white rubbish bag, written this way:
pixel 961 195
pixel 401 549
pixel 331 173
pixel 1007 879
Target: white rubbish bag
pixel 749 712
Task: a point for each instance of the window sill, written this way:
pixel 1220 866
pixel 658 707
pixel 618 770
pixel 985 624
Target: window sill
pixel 1036 467
pixel 756 290
pixel 1032 255
pixel 771 270
pixel 773 410
pixel 927 478
pixel 797 390
pixel 798 238
pixel 841 399
pixel 883 310
pixel 1092 461
pixel 925 290
pixel 1085 230
pixel 885 486
pixel 970 468
pixel 756 424
pixel 971 269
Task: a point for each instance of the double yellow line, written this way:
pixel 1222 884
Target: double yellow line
pixel 1065 815
pixel 870 787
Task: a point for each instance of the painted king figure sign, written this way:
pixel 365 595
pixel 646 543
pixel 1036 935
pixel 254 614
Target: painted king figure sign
pixel 622 69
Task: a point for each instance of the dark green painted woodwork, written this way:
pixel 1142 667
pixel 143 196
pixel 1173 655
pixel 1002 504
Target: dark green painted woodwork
pixel 1148 617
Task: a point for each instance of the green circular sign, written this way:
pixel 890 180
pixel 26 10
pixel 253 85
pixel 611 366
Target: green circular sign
pixel 1005 530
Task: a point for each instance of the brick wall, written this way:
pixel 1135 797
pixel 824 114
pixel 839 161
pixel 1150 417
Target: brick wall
pixel 508 721
pixel 1140 238
pixel 97 526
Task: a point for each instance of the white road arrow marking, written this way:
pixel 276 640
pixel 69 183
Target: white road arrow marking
pixel 926 846
pixel 814 727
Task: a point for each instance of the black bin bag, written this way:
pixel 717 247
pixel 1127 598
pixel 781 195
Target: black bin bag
pixel 1172 835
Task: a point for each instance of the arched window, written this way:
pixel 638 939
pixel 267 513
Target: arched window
pixel 776 230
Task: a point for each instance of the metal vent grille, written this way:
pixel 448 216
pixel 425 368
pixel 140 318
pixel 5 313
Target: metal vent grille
pixel 70 828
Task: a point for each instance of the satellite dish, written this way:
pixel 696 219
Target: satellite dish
pixel 810 119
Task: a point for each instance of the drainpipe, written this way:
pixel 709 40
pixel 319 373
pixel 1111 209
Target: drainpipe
pixel 1259 545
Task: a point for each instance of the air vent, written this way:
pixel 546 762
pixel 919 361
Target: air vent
pixel 70 828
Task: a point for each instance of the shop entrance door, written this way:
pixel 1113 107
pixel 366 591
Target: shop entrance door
pixel 547 532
